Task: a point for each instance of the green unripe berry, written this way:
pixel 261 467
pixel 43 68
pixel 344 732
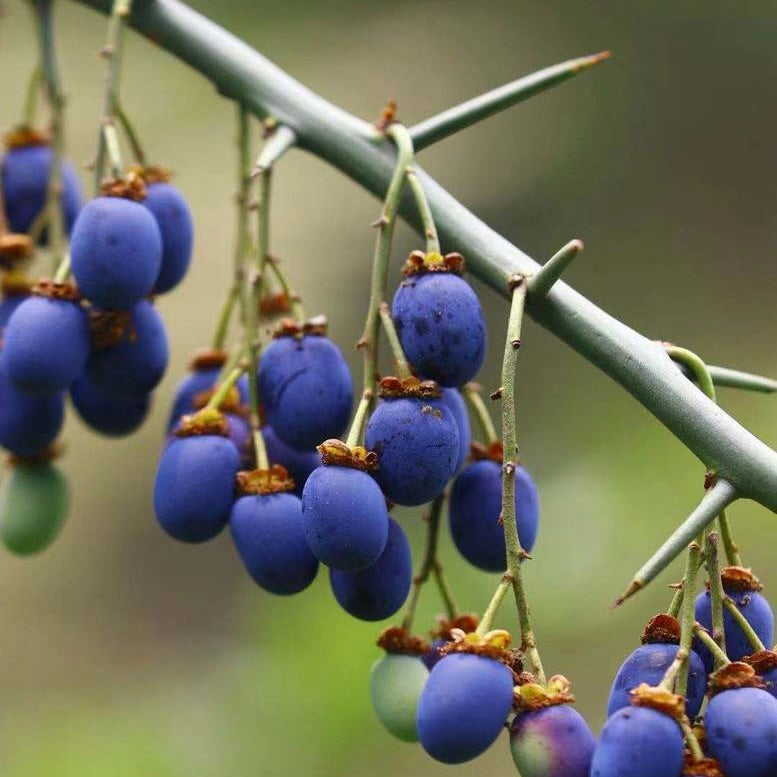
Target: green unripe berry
pixel 396 682
pixel 32 508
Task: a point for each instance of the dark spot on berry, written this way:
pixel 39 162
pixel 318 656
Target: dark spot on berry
pixel 421 325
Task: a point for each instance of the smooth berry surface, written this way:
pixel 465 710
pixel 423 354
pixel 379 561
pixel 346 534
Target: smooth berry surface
pixel 770 678
pixel 417 443
pixel 306 390
pixel 474 509
pixel 299 464
pixel 345 517
pixel 463 707
pixel 441 327
pixel 741 727
pixel 194 487
pixel 378 591
pixel 552 742
pixel 116 252
pixel 268 534
pixel 107 414
pixel 7 307
pixel 45 345
pixel 396 682
pixel 197 382
pixel 455 402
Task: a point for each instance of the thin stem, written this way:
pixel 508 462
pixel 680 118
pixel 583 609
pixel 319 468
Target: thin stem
pixel 233 360
pixel 743 623
pixel 704 637
pixel 424 212
pixel 695 365
pixel 32 92
pixel 729 546
pixel 716 590
pixel 446 594
pixel 63 270
pixel 505 584
pixel 693 743
pixel 478 407
pixel 359 420
pixel 403 368
pixel 297 308
pixel 688 613
pixel 673 670
pixel 132 136
pixel 225 317
pixel 223 388
pixel 541 283
pixel 676 603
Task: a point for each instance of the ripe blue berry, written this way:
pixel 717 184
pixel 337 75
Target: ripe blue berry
pixel 396 683
pixel 45 344
pixel 552 742
pixel 463 707
pixel 25 176
pixel 639 742
pixel 378 591
pixel 174 220
pixel 433 656
pixel 116 252
pixel 741 727
pixel 33 507
pixel 8 304
pixel 417 443
pixel 306 389
pixel 458 407
pixel 109 415
pixel 298 463
pixel 647 664
pixel 131 365
pixel 441 327
pixel 474 510
pixel 765 664
pixel 345 517
pixel 268 534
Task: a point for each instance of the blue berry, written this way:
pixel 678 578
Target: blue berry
pixel 306 390
pixel 25 176
pixel 7 306
pixel 268 534
pixel 33 507
pixel 378 591
pixel 765 664
pixel 116 252
pixel 458 407
pixel 552 742
pixel 463 707
pixel 45 344
pixel 109 415
pixel 298 463
pixel 345 517
pixel 194 488
pixel 434 655
pixel 174 220
pixel 741 727
pixel 474 510
pixel 647 664
pixel 396 683
pixel 417 443
pixel 133 366
pixel 639 742
pixel 441 327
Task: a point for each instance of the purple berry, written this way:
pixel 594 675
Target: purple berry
pixel 116 252
pixel 268 534
pixel 345 517
pixel 463 707
pixel 378 591
pixel 474 510
pixel 434 655
pixel 458 407
pixel 106 414
pixel 299 464
pixel 8 304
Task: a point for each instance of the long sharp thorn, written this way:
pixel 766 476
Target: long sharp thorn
pixel 281 140
pixel 466 114
pixel 720 496
pixel 541 283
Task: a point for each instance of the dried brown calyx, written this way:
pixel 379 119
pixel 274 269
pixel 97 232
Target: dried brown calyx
pixel 203 422
pixel 275 304
pixel 466 622
pixel 533 696
pixel 493 644
pixel 230 403
pixel 409 388
pixel 661 629
pixel 65 291
pixel 704 767
pixel 395 639
pixel 132 187
pixel 14 284
pixel 336 453
pixel 110 327
pixel 275 480
pixel 739 580
pixel 152 173
pixel 22 136
pixel 387 116
pixel 659 699
pixel 288 327
pixel 737 674
pixel 15 248
pixel 762 661
pixel 52 451
pixel 492 452
pixel 208 359
pixel 421 263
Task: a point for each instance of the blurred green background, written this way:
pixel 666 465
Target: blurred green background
pixel 124 653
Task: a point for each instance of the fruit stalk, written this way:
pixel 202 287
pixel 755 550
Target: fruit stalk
pixel 716 591
pixel 688 618
pixel 475 401
pixel 743 624
pixel 703 636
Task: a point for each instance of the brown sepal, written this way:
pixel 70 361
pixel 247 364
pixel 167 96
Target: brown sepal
pixel 737 674
pixel 275 480
pixel 494 644
pixel 762 661
pixel 409 388
pixel 533 696
pixel 659 699
pixel 395 639
pixel 706 767
pixel 14 284
pixel 336 453
pixel 208 359
pixel 109 327
pixel 421 263
pixel 492 452
pixel 740 580
pixel 230 403
pixel 130 188
pixel 388 116
pixel 661 629
pixel 15 248
pixel 275 304
pixel 465 622
pixel 203 422
pixel 47 288
pixel 26 136
pixel 288 327
pixel 152 173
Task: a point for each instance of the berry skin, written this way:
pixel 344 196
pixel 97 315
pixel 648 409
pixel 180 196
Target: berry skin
pixel 639 742
pixel 741 727
pixel 647 664
pixel 45 345
pixel 268 534
pixel 306 390
pixel 106 414
pixel 345 517
pixel 239 434
pixel 174 220
pixel 7 307
pixel 33 507
pixel 417 443
pixel 552 742
pixel 433 656
pixel 116 252
pixel 396 682
pixel 194 487
pixel 378 591
pixel 299 464
pixel 463 707
pixel 25 175
pixel 134 366
pixel 770 678
pixel 474 510
pixel 196 382
pixel 441 327
pixel 455 402
pixel 28 423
